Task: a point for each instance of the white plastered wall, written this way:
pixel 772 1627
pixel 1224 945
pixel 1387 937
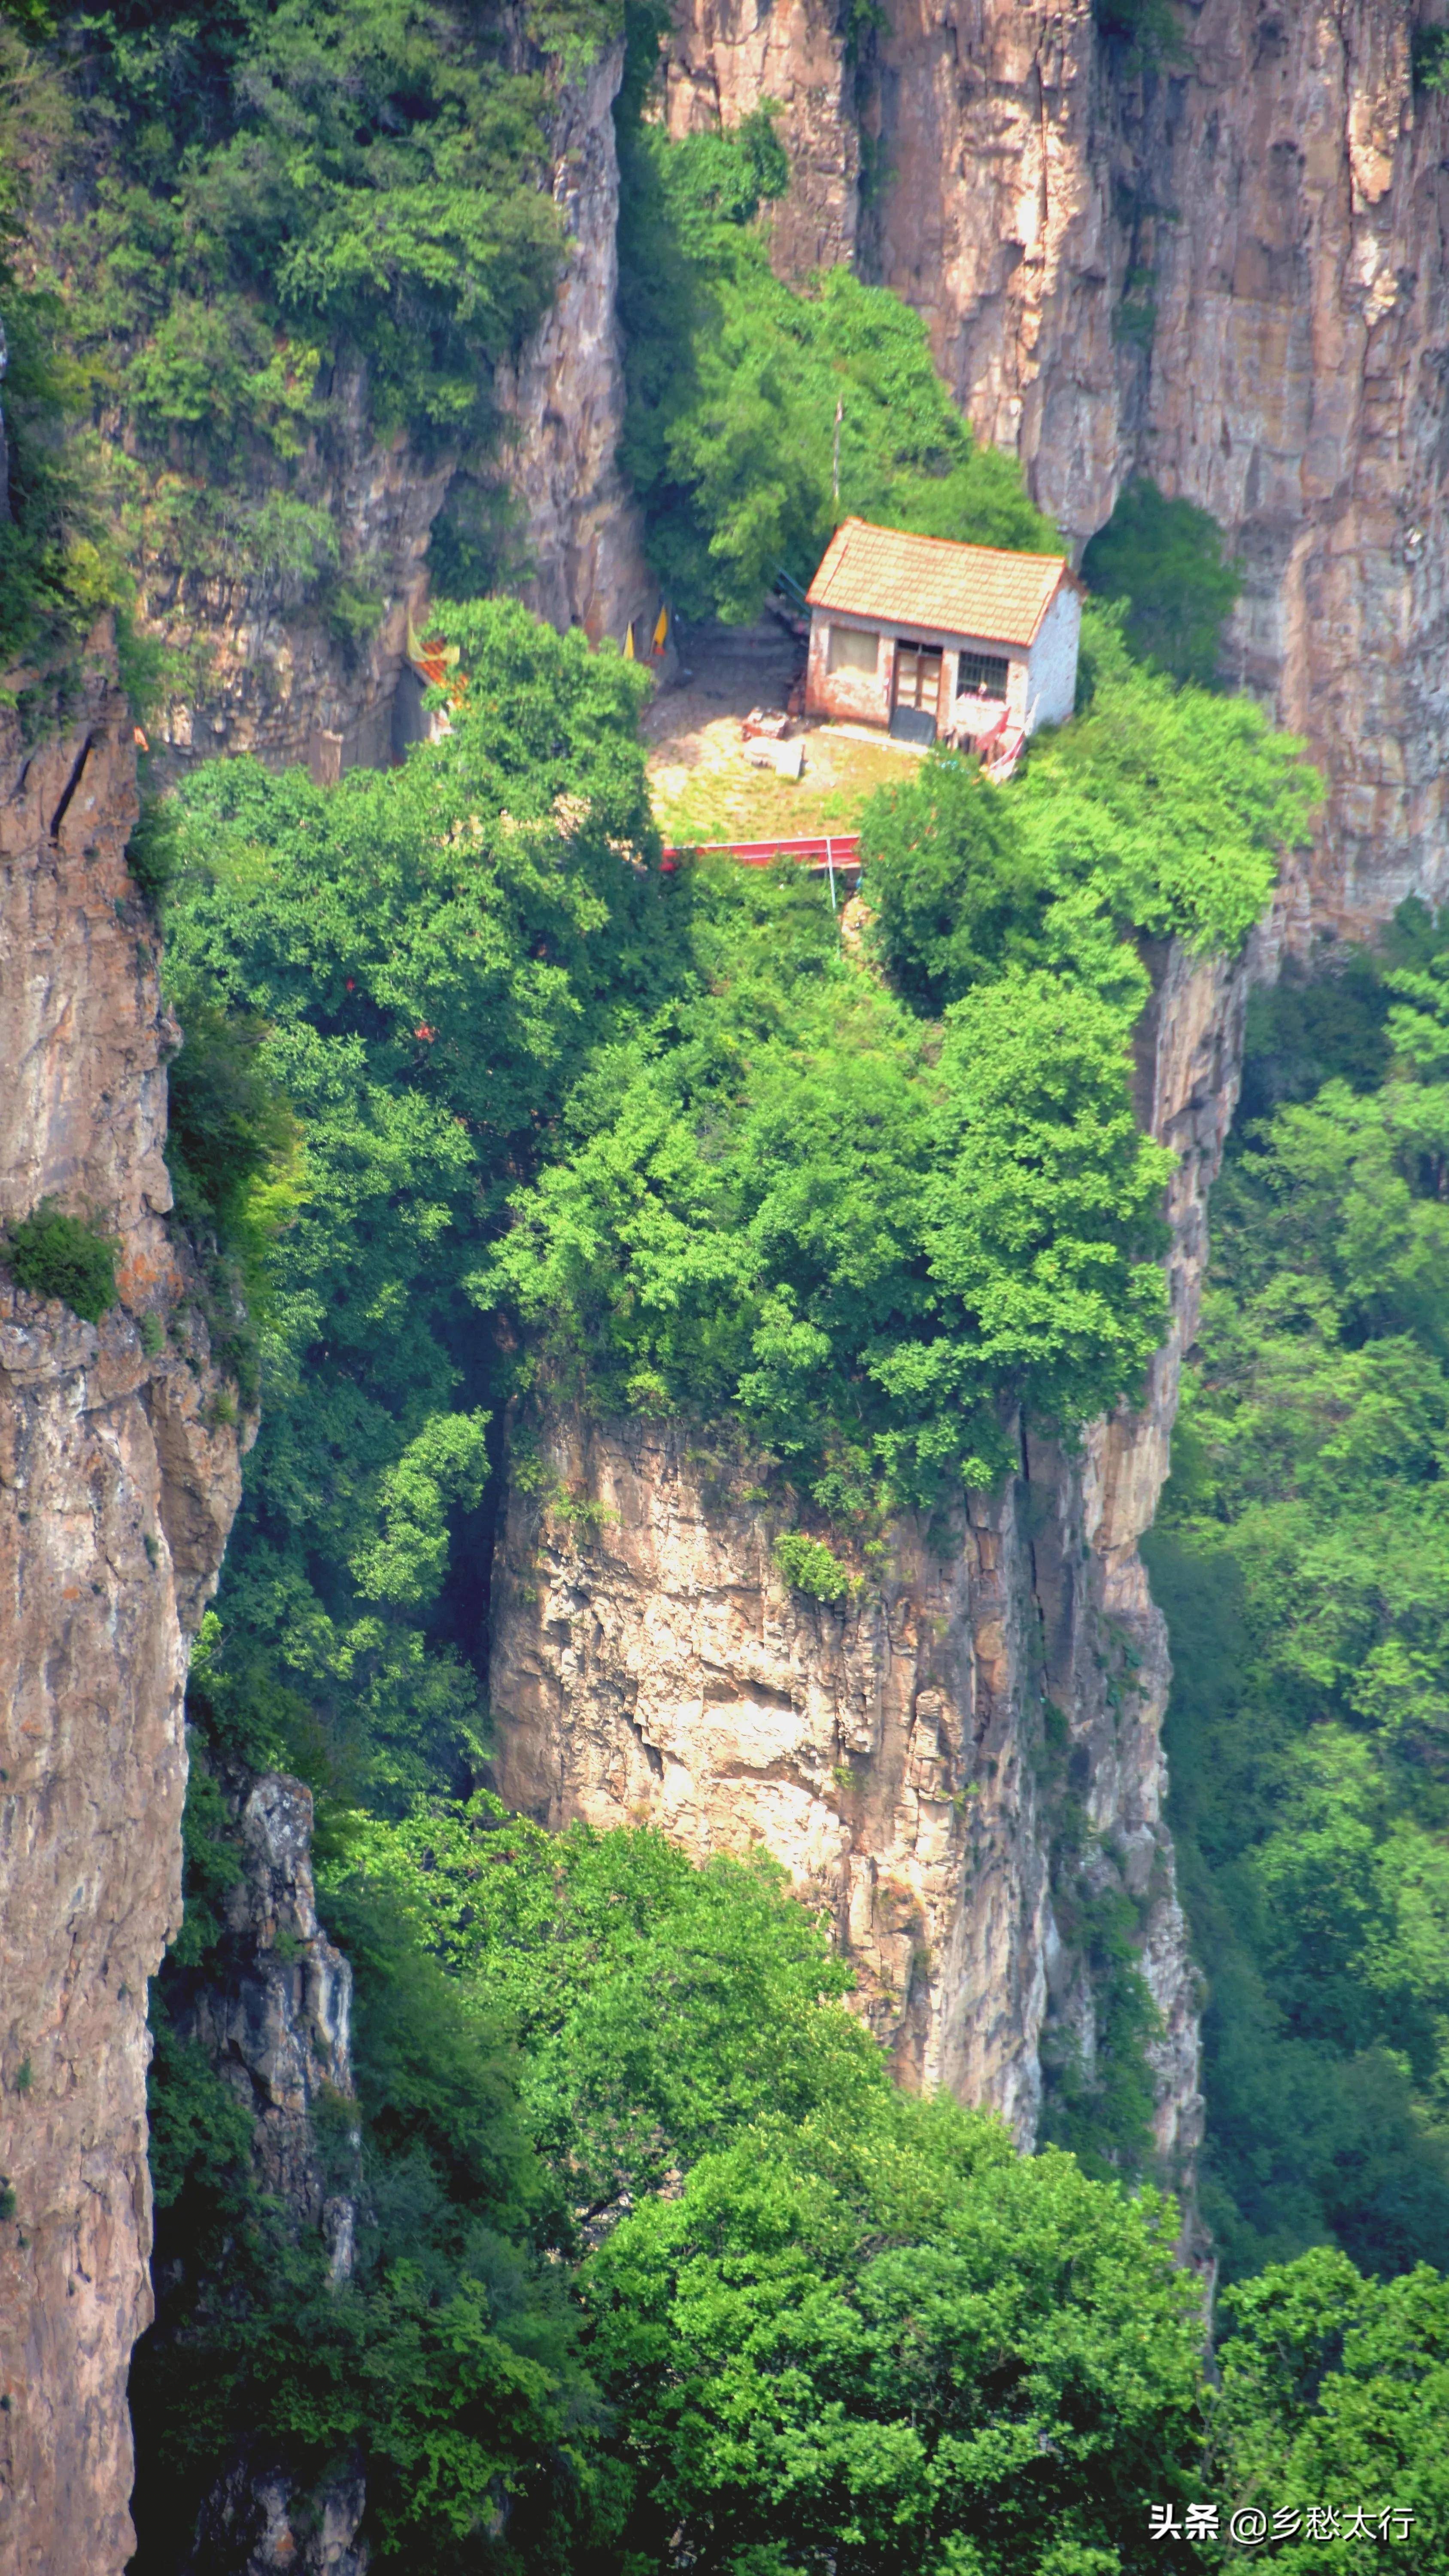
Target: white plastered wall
pixel 1051 681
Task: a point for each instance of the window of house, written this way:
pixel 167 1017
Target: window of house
pixel 852 651
pixel 984 671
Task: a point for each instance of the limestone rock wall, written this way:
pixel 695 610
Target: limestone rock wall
pixel 267 671
pixel 1228 272
pixel 912 1757
pixel 565 397
pixel 273 2013
pixel 119 1475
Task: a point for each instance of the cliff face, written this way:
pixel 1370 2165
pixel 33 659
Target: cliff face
pixel 565 397
pixel 119 1476
pixel 916 1759
pixel 1228 272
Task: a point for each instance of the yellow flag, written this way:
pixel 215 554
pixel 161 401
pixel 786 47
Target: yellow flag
pixel 629 642
pixel 661 629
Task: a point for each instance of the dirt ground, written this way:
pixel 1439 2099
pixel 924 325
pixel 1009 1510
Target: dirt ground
pixel 703 786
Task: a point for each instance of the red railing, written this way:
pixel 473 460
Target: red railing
pixel 825 850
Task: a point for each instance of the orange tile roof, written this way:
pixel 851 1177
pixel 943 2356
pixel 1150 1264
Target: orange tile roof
pixel 929 582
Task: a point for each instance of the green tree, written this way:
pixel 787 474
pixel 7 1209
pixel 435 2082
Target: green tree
pixel 896 2350
pixel 1335 2394
pixel 1165 560
pixel 660 2007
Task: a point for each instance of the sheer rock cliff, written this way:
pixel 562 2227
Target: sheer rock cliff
pixel 954 1762
pixel 119 1475
pixel 1227 271
pixel 565 397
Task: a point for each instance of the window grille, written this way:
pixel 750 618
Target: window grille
pixel 985 671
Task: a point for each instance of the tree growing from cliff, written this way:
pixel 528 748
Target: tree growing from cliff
pixel 1164 559
pixel 418 962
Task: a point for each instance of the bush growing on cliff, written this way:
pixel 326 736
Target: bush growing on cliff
pixel 54 1255
pixel 811 1567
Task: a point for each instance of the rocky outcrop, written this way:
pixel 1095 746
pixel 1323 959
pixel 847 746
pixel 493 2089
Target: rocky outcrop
pixel 274 2016
pixel 272 670
pixel 271 2009
pixel 565 396
pixel 119 1475
pixel 942 1761
pixel 1227 271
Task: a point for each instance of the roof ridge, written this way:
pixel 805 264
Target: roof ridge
pixel 955 545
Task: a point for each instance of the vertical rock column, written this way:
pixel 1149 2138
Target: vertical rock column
pixel 119 1476
pixel 893 1751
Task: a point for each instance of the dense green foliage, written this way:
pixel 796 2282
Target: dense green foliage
pixel 54 1255
pixel 281 214
pixel 735 379
pixel 431 954
pixel 447 2366
pixel 1159 809
pixel 782 1203
pixel 1303 1564
pixel 861 2328
pixel 1334 2393
pixel 681 2268
pixel 57 570
pixel 650 2244
pixel 659 2007
pixel 1165 559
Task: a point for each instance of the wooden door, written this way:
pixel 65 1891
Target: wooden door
pixel 918 677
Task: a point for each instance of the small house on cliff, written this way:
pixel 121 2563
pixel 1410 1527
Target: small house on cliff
pixel 926 638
